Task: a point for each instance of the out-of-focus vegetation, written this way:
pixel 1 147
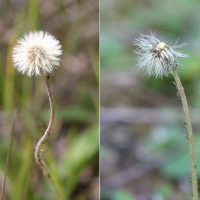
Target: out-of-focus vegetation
pixel 144 149
pixel 72 149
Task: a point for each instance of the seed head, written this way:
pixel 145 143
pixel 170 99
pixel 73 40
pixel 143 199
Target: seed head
pixel 156 57
pixel 37 53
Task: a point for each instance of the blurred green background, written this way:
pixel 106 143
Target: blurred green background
pixel 144 150
pixel 72 149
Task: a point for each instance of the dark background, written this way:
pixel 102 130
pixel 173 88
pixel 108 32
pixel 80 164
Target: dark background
pixel 144 150
pixel 72 148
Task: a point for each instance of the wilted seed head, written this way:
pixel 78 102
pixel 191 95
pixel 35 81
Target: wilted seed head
pixel 156 57
pixel 37 53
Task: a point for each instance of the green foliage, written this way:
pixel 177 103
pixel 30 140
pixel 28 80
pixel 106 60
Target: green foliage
pixel 180 166
pixel 163 192
pixel 122 195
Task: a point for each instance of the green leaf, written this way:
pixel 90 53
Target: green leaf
pixel 123 195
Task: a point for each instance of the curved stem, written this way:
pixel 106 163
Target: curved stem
pixel 38 151
pixel 189 133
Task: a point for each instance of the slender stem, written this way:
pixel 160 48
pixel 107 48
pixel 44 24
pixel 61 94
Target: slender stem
pixel 8 156
pixel 38 150
pixel 189 132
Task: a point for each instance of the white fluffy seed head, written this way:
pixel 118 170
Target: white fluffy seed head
pixel 37 53
pixel 156 57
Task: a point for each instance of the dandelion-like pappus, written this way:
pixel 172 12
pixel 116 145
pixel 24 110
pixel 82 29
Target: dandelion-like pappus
pixel 156 57
pixel 37 53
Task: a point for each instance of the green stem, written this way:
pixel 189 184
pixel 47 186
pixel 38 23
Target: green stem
pixel 8 156
pixel 189 132
pixel 38 150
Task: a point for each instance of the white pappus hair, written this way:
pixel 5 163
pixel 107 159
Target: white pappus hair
pixel 37 53
pixel 156 57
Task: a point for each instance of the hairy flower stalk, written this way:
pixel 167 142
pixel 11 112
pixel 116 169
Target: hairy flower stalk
pixel 158 59
pixel 38 53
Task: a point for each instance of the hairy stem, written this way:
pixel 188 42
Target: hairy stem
pixel 38 150
pixel 189 132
